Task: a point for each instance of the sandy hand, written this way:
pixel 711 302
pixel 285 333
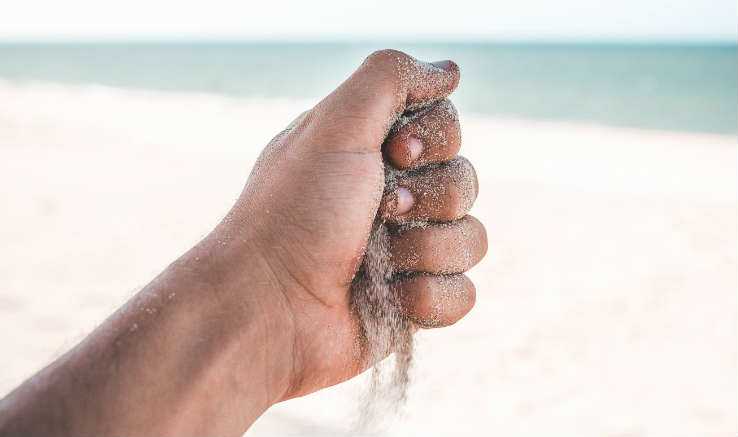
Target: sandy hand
pixel 308 207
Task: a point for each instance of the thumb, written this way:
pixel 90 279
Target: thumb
pixel 358 114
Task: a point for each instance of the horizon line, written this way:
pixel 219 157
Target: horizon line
pixel 724 41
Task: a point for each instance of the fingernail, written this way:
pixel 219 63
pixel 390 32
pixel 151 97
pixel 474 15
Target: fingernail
pixel 443 65
pixel 415 147
pixel 405 200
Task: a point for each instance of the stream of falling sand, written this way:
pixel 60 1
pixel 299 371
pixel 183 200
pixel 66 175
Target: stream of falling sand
pixel 386 330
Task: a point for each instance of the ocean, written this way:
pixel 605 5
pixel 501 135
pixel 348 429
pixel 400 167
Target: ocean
pixel 691 88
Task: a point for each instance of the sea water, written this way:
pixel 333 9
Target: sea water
pixel 668 86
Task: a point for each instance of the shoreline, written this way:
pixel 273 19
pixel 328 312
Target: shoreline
pixel 151 93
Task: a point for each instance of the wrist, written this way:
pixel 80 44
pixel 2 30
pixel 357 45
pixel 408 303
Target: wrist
pixel 248 301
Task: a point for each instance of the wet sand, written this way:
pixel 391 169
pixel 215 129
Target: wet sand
pixel 606 306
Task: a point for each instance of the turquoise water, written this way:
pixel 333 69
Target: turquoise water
pixel 672 87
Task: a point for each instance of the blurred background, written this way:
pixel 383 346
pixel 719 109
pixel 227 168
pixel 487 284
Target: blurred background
pixel 603 133
pixel 675 61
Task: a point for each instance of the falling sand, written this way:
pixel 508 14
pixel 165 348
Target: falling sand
pixel 386 329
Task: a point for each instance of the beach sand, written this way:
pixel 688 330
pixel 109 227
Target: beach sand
pixel 606 306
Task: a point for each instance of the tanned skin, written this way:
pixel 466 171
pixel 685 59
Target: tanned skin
pixel 259 311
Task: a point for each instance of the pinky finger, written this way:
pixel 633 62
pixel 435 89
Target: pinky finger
pixel 434 301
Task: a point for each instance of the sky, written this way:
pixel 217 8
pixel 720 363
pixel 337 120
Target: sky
pixel 369 20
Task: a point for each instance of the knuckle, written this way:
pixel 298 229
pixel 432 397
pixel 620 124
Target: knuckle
pixel 455 299
pixel 470 291
pixel 385 68
pixel 462 162
pixel 475 237
pixel 385 57
pixel 466 295
pixel 445 112
pixel 482 238
pixel 389 65
pixel 464 176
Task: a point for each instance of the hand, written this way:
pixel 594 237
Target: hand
pixel 310 201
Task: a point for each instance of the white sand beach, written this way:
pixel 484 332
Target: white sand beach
pixel 606 307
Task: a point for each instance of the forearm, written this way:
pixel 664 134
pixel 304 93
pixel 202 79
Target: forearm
pixel 191 354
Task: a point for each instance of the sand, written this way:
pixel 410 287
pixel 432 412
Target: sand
pixel 385 331
pixel 606 305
